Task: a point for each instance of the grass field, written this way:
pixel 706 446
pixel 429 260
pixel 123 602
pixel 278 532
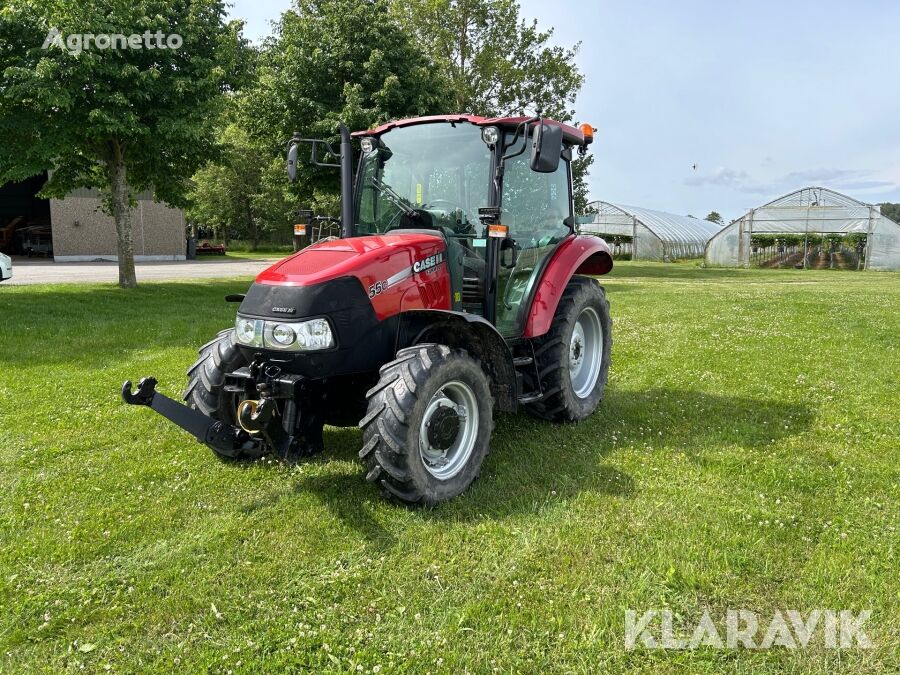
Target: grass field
pixel 270 252
pixel 746 456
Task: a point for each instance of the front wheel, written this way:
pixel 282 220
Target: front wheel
pixel 428 425
pixel 573 357
pixel 206 385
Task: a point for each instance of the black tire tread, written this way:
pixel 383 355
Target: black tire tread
pixel 385 426
pixel 206 379
pixel 550 350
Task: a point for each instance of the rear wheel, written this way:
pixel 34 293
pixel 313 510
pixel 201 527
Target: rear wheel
pixel 573 357
pixel 428 425
pixel 205 391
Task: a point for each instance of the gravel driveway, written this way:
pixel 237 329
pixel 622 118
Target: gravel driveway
pixel 32 271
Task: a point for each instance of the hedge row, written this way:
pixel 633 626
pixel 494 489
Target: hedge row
pixel 767 240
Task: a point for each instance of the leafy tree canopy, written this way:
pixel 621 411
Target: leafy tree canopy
pixel 890 210
pixel 496 62
pixel 245 193
pixel 331 61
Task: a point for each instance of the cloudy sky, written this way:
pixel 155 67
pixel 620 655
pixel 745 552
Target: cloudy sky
pixel 763 97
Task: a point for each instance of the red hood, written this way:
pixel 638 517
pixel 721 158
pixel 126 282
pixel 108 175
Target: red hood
pixel 365 257
pixel 399 272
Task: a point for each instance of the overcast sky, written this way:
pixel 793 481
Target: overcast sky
pixel 764 97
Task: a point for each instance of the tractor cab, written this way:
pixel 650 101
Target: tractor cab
pixel 498 191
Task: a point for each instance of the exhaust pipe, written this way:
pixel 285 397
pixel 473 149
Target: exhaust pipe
pixel 346 183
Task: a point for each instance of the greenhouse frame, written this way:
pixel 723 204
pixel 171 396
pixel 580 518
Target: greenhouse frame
pixel 812 213
pixel 648 234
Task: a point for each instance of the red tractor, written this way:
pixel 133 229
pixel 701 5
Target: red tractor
pixel 458 288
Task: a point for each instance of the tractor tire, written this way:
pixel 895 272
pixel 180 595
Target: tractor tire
pixel 573 358
pixel 206 379
pixel 428 425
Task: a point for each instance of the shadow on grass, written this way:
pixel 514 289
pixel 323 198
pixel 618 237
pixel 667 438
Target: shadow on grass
pixel 101 320
pixel 535 463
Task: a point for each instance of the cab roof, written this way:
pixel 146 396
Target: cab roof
pixel 571 134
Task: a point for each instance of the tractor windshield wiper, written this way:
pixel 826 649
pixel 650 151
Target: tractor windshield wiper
pixel 394 198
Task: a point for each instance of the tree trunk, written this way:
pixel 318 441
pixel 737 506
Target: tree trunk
pixel 254 227
pixel 462 97
pixel 121 215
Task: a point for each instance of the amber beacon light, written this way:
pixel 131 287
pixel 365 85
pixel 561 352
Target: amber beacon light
pixel 588 132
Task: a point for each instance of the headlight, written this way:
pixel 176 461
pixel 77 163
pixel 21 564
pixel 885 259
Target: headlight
pixel 249 332
pixel 283 335
pixel 490 135
pixel 367 144
pixel 289 336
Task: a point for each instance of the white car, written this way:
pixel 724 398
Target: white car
pixel 5 267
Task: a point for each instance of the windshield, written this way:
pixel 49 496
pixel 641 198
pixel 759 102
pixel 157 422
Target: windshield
pixel 427 175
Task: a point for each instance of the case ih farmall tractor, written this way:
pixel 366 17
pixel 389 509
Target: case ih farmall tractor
pixel 457 289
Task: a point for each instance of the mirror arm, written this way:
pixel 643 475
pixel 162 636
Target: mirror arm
pixel 315 143
pixel 524 132
pixel 315 152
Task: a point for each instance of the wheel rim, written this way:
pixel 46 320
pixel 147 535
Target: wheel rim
pixel 585 352
pixel 448 431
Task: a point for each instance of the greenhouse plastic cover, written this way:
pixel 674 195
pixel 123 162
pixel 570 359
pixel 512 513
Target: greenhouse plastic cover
pixel 815 210
pixel 668 227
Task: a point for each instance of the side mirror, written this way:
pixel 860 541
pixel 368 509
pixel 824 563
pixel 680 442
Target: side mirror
pixel 292 158
pixel 546 147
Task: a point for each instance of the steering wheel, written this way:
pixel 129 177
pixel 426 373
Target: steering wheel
pixel 460 227
pixel 454 205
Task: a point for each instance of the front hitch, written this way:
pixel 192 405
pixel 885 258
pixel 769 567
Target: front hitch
pixel 225 439
pixel 258 417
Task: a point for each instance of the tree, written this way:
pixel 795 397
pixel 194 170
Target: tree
pixel 120 113
pixel 580 168
pixel 496 63
pixel 333 61
pixel 714 217
pixel 244 192
pixel 891 211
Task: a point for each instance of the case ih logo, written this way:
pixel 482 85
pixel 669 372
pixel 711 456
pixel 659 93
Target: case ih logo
pixel 428 263
pixel 284 310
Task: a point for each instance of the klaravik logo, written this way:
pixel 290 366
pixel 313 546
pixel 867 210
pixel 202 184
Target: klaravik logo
pixel 655 629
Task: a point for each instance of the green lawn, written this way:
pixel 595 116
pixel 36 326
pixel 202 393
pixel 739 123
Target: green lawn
pixel 268 253
pixel 746 456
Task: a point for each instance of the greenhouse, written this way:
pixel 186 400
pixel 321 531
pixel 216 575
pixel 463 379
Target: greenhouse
pixel 810 228
pixel 646 234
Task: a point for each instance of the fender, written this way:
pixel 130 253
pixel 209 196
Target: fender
pixel 581 254
pixel 472 333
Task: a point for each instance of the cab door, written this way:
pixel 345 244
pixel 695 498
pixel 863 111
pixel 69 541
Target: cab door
pixel 536 208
